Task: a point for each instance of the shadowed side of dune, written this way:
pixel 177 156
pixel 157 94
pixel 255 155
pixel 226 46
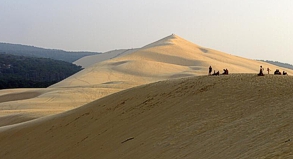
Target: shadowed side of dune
pixel 19 96
pixel 235 116
pixel 15 118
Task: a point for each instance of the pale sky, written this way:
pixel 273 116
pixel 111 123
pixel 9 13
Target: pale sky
pixel 255 29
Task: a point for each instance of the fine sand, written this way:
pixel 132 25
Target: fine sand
pixel 220 117
pixel 169 58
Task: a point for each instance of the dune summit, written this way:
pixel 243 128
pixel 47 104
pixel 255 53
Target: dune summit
pixel 235 116
pixel 169 58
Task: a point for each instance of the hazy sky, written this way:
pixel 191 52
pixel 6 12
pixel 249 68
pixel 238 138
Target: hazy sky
pixel 256 29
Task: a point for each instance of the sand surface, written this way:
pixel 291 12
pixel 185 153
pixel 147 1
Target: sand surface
pixel 169 58
pixel 236 116
pixel 87 61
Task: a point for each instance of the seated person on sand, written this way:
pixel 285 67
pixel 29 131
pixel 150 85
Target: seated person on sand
pixel 285 73
pixel 226 72
pixel 216 73
pixel 260 71
pixel 277 72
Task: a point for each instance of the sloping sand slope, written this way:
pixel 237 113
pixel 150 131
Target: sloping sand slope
pixel 235 116
pixel 169 58
pixel 93 59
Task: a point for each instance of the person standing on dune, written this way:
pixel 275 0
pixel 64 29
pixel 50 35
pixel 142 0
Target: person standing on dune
pixel 268 69
pixel 210 70
pixel 261 71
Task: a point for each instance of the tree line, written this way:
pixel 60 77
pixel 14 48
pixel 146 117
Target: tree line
pixel 31 72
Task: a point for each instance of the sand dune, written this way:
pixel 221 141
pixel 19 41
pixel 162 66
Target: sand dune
pixel 162 60
pixel 235 116
pixel 93 59
pixel 169 58
pixel 19 96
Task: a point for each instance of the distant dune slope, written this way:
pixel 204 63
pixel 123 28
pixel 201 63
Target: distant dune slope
pixel 237 116
pixel 169 58
pixel 93 59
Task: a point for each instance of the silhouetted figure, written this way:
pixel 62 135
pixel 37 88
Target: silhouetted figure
pixel 260 71
pixel 210 70
pixel 285 73
pixel 216 73
pixel 277 72
pixel 268 69
pixel 226 72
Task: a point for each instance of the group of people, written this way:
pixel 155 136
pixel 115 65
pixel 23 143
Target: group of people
pixel 261 70
pixel 277 72
pixel 226 72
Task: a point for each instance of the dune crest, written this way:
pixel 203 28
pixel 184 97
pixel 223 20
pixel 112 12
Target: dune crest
pixel 236 116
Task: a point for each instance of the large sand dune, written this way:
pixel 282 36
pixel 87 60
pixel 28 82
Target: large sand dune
pixel 236 116
pixel 169 58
